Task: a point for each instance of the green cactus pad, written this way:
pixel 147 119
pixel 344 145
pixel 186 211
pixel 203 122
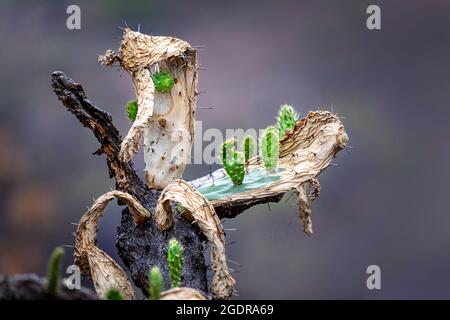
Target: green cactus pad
pixel 132 110
pixel 155 280
pixel 113 294
pixel 233 161
pixel 249 147
pixel 175 262
pixel 254 179
pixel 163 81
pixel 269 146
pixel 287 117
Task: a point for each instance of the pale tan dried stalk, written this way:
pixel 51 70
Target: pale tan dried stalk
pixel 182 293
pixel 104 271
pixel 166 119
pixel 202 212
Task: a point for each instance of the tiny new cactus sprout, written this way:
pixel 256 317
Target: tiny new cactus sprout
pixel 249 147
pixel 163 81
pixel 155 280
pixel 113 294
pixel 132 110
pixel 287 117
pixel 233 161
pixel 270 148
pixel 175 262
pixel 54 270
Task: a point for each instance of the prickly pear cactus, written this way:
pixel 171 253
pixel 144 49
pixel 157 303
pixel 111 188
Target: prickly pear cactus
pixel 113 294
pixel 249 147
pixel 233 161
pixel 270 148
pixel 175 262
pixel 132 110
pixel 155 283
pixel 287 117
pixel 163 81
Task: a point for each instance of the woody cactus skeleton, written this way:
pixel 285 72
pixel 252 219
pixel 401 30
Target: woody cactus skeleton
pixel 165 117
pixel 165 122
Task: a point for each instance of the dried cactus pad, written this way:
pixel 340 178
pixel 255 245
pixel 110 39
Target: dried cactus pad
pixel 304 153
pixel 166 104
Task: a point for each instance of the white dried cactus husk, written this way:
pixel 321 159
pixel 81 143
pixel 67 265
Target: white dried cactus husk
pixel 97 264
pixel 165 120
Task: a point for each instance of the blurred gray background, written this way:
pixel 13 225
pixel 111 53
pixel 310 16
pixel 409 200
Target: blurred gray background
pixel 386 203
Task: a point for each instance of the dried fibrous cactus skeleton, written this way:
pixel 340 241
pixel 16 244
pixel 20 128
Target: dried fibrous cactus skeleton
pixel 165 121
pixel 165 124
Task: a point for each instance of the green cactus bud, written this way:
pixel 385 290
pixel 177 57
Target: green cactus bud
pixel 163 81
pixel 113 294
pixel 175 262
pixel 155 280
pixel 233 161
pixel 227 150
pixel 54 270
pixel 132 110
pixel 270 148
pixel 249 147
pixel 287 117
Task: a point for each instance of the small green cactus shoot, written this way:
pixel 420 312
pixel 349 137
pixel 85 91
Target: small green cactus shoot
pixel 54 270
pixel 287 117
pixel 132 110
pixel 233 161
pixel 155 280
pixel 175 262
pixel 249 147
pixel 163 81
pixel 270 148
pixel 113 294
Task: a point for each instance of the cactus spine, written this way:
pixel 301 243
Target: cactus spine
pixel 163 81
pixel 132 110
pixel 54 270
pixel 233 161
pixel 175 262
pixel 155 283
pixel 270 148
pixel 287 117
pixel 113 294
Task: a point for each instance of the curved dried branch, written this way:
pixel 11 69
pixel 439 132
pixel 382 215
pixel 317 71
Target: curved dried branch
pixel 304 210
pixel 73 97
pixel 202 213
pixel 104 271
pixel 182 293
pixel 144 88
pixel 305 152
pixel 314 189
